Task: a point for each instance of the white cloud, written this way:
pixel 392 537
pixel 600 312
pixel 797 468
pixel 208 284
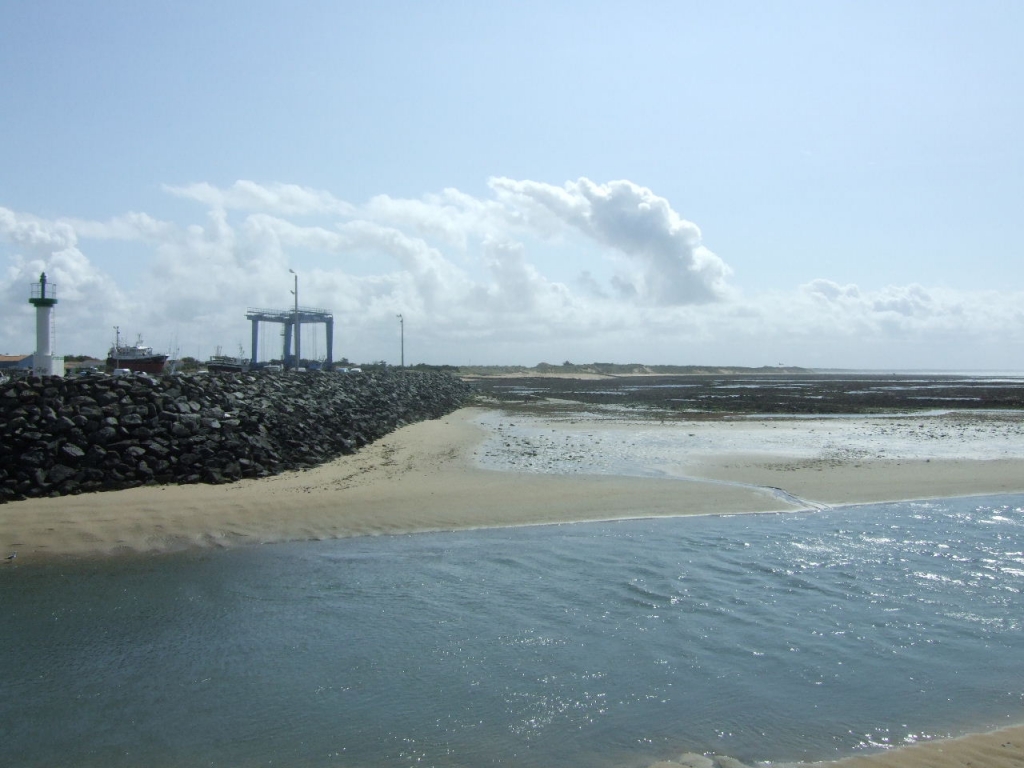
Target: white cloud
pixel 38 235
pixel 668 264
pixel 432 278
pixel 130 226
pixel 263 228
pixel 658 256
pixel 283 199
pixel 450 217
pixel 895 308
pixel 41 245
pixel 830 291
pixel 532 272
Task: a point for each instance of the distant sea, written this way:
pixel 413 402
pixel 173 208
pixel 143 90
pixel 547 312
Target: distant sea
pixel 994 373
pixel 809 635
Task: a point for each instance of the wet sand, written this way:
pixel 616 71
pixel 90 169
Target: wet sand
pixel 481 467
pixel 1003 748
pixel 424 477
pixel 822 460
pixel 998 749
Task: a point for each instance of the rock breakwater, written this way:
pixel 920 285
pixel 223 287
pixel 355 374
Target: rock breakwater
pixel 65 436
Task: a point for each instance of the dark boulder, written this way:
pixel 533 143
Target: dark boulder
pixel 62 436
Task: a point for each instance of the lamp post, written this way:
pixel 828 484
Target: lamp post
pixel 298 354
pixel 401 324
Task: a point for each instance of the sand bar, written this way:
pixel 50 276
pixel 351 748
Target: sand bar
pixel 423 477
pixel 481 467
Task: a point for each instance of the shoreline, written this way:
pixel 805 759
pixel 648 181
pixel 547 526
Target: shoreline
pixel 481 467
pixel 1000 748
pixel 420 478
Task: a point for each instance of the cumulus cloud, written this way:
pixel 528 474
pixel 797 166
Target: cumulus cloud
pixel 906 306
pixel 434 277
pixel 660 257
pixel 451 217
pixel 909 301
pixel 36 234
pixel 285 234
pixel 828 290
pixel 672 265
pixel 243 195
pixel 130 226
pixel 52 246
pixel 529 271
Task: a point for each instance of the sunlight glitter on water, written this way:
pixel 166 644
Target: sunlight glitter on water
pixel 765 637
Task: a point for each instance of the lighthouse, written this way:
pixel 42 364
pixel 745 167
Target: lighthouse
pixel 44 296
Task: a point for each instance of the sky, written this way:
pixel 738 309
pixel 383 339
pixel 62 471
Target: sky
pixel 825 184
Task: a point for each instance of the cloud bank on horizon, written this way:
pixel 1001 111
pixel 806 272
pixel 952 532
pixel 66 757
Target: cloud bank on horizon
pixel 533 271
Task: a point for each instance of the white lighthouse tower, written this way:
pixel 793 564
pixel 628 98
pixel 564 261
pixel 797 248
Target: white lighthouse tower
pixel 43 297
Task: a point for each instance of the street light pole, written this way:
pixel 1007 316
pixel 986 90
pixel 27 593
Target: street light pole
pixel 298 354
pixel 401 323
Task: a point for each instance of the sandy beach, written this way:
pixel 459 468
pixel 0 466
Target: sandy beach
pixel 481 467
pixel 424 477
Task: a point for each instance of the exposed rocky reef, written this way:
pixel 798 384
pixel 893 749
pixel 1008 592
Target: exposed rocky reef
pixel 65 436
pixel 694 395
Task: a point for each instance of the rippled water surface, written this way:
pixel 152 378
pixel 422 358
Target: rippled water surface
pixel 764 637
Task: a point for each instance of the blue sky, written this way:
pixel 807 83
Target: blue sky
pixel 827 184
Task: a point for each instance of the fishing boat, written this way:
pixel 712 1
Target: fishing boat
pixel 135 357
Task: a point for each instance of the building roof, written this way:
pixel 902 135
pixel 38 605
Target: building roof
pixel 12 358
pixel 89 362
